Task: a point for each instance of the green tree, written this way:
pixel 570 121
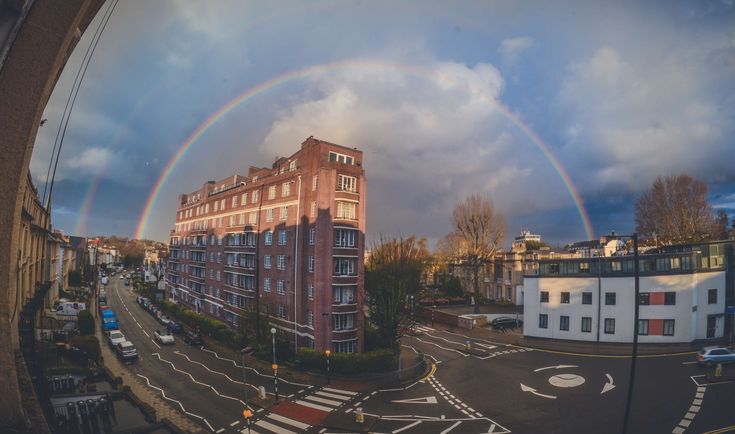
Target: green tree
pixel 482 231
pixel 449 285
pixel 85 322
pixel 75 278
pixel 393 271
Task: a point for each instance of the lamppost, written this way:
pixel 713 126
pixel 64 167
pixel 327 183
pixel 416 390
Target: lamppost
pixel 275 366
pixel 328 353
pixel 247 414
pixel 411 324
pixel 634 356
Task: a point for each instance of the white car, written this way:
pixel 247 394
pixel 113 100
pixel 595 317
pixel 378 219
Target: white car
pixel 122 277
pixel 164 337
pixel 115 337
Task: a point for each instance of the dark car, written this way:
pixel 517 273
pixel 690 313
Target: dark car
pixel 505 322
pixel 193 338
pixel 175 327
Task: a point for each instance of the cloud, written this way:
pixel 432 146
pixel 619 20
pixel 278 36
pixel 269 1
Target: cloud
pixel 511 49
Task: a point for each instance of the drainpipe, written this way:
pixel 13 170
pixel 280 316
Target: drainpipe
pixel 295 269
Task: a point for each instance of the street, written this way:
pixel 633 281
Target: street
pixel 492 387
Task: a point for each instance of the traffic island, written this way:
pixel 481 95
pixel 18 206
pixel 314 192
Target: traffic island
pixel 347 422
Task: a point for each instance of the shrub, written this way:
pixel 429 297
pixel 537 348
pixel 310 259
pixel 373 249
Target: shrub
pixel 350 363
pixel 85 322
pixel 88 346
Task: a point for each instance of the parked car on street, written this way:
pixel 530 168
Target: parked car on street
pixel 126 350
pixel 710 356
pixel 164 337
pixel 505 322
pixel 175 327
pixel 193 338
pixel 115 337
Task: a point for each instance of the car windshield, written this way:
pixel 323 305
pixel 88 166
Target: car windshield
pixel 116 335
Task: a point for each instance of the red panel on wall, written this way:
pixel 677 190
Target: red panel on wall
pixel 656 326
pixel 656 298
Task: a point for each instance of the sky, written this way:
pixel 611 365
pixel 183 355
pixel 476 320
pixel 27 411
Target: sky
pixel 445 99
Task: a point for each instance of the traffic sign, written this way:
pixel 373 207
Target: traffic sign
pixel 730 310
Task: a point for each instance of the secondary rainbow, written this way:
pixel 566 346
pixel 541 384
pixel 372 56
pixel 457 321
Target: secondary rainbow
pixel 354 63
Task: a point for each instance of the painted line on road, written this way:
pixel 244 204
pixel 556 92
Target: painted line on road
pixel 156 344
pixel 146 333
pixel 691 413
pixel 255 370
pixel 409 426
pixel 451 427
pixel 178 402
pixel 235 423
pixel 220 430
pixel 721 430
pixel 443 348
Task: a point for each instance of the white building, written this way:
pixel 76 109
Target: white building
pixel 682 297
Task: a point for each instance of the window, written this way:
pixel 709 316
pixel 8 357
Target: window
pixel 670 298
pixel 609 299
pixel 616 266
pixel 712 296
pixel 216 206
pixel 234 201
pixel 586 324
pixel 284 212
pixel 344 237
pixel 345 347
pixel 310 291
pixel 292 165
pixel 281 237
pixel 586 298
pixel 644 299
pixel 222 205
pixel 340 158
pixel 269 215
pixel 242 218
pixel 311 264
pixel 281 311
pixel 668 327
pixel 314 182
pixel 313 209
pixel 543 321
pixel 343 294
pixel 281 287
pixel 267 262
pixel 312 236
pixel 272 192
pixel 254 196
pixel 281 262
pixel 267 284
pixel 285 189
pixel 564 322
pixel 584 267
pixel 610 325
pixel 346 183
pixel 344 321
pixel 565 298
pixel 346 210
pixel 244 199
pixel 218 276
pixel 309 318
pixel 344 266
pixel 268 238
pixel 643 327
pixel 544 296
pixel 219 254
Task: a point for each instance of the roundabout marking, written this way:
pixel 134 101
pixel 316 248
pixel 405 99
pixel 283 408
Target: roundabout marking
pixel 566 380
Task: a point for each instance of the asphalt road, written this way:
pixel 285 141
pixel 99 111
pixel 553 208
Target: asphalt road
pixel 493 388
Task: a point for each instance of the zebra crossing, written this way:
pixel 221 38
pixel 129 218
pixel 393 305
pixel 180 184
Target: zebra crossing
pixel 326 399
pixel 423 328
pixel 275 423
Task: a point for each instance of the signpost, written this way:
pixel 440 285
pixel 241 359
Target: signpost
pixel 731 311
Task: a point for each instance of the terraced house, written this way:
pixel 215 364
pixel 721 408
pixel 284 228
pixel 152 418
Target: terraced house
pixel 287 241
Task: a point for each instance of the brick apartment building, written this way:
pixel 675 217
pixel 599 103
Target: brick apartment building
pixel 287 241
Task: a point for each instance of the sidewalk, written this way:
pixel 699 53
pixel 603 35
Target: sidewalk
pixel 147 395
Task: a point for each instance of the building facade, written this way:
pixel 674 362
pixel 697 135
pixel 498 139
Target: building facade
pixel 683 294
pixel 286 241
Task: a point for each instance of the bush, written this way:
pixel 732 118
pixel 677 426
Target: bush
pixel 88 346
pixel 350 363
pixel 373 339
pixel 85 322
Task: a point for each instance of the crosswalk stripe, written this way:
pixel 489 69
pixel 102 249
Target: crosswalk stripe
pixel 316 406
pixel 333 395
pixel 275 428
pixel 344 392
pixel 292 422
pixel 323 400
pixel 245 431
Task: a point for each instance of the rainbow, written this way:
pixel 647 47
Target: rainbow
pixel 354 63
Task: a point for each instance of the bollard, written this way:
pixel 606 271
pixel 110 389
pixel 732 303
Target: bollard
pixel 261 392
pixel 359 417
pixel 468 345
pixel 718 370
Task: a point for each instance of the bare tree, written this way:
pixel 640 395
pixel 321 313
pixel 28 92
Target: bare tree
pixel 482 230
pixel 675 211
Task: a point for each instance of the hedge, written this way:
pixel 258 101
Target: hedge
pixel 211 327
pixel 85 322
pixel 349 363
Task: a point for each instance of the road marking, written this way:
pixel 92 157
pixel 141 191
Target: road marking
pixel 280 380
pixel 688 363
pixel 235 423
pixel 219 430
pixel 333 395
pixel 154 343
pixel 316 406
pixel 275 428
pixel 407 427
pixel 323 400
pixel 451 427
pixel 609 385
pixel 555 367
pixel 532 390
pixel 178 402
pixel 146 333
pixel 721 430
pixel 292 422
pixel 344 392
pixel 566 380
pixel 424 400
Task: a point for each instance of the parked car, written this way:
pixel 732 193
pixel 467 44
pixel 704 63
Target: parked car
pixel 109 320
pixel 193 338
pixel 164 337
pixel 126 350
pixel 163 319
pixel 122 277
pixel 115 337
pixel 710 356
pixel 505 322
pixel 175 327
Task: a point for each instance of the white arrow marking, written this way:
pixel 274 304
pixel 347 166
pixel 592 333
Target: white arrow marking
pixel 532 390
pixel 424 400
pixel 556 367
pixel 489 347
pixel 609 385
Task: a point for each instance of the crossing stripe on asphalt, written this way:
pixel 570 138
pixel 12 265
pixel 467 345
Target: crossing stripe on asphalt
pixel 343 392
pixel 294 423
pixel 275 428
pixel 316 406
pixel 323 400
pixel 333 395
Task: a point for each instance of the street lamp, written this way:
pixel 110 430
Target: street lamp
pixel 328 353
pixel 411 324
pixel 247 414
pixel 275 366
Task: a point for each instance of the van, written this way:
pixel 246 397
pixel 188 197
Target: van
pixel 109 320
pixel 70 308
